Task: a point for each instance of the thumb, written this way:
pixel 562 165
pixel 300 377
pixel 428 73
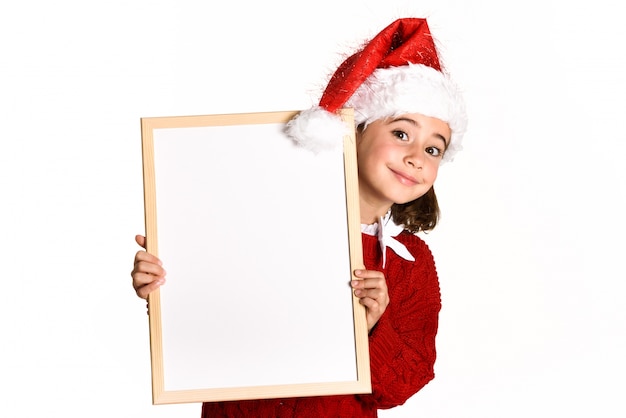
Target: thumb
pixel 141 240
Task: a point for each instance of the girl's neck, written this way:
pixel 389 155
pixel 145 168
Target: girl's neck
pixel 371 214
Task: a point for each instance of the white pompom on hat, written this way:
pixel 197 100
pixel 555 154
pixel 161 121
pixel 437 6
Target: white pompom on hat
pixel 397 72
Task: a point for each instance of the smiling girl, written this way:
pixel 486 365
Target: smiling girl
pixel 409 118
pixel 398 161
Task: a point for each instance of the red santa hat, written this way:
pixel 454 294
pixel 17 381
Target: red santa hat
pixel 397 72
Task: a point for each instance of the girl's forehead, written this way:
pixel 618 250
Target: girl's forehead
pixel 421 121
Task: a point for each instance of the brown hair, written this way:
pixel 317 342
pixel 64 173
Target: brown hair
pixel 418 215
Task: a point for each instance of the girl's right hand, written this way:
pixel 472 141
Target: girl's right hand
pixel 148 273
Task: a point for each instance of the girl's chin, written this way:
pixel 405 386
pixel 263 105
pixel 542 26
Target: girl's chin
pixel 401 200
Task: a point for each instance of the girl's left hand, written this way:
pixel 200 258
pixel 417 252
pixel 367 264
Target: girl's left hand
pixel 372 293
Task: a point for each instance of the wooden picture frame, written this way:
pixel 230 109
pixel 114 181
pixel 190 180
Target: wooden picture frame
pixel 259 238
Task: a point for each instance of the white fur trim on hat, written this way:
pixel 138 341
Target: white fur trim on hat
pixel 412 88
pixel 317 130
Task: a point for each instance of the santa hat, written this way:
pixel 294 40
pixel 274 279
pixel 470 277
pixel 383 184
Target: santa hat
pixel 397 72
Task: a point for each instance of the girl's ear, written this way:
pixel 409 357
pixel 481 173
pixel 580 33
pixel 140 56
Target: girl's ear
pixel 359 130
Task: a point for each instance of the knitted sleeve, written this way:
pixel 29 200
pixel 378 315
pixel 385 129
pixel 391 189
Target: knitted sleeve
pixel 402 344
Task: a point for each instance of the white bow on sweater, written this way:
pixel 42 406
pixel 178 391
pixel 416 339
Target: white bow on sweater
pixel 386 229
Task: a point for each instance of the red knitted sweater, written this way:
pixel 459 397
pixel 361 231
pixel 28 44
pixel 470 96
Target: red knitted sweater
pixel 402 344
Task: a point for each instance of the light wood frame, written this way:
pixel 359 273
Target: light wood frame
pixel 182 291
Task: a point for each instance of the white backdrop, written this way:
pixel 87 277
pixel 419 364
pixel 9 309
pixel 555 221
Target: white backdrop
pixel 530 248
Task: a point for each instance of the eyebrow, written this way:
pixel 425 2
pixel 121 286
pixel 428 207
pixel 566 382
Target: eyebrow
pixel 414 123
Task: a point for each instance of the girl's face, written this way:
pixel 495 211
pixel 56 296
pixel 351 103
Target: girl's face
pixel 398 160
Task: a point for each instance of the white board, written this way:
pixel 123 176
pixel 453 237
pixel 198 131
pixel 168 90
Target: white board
pixel 259 238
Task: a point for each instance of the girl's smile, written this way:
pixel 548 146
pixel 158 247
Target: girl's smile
pixel 405 178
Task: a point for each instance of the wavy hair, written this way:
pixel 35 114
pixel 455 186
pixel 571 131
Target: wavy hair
pixel 421 214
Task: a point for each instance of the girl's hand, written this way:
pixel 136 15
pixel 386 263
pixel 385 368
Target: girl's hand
pixel 148 273
pixel 372 293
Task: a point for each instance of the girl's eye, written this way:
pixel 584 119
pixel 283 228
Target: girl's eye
pixel 401 135
pixel 434 151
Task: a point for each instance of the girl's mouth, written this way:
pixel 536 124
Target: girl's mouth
pixel 405 178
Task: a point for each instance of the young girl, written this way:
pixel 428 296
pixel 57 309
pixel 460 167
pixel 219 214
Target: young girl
pixel 410 117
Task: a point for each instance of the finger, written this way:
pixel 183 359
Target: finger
pixel 141 240
pixel 146 267
pixel 147 257
pixel 368 284
pixel 144 291
pixel 372 283
pixel 377 294
pixel 369 274
pixel 362 275
pixel 371 304
pixel 141 279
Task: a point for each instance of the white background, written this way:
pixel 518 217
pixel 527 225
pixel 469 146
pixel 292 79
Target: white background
pixel 530 248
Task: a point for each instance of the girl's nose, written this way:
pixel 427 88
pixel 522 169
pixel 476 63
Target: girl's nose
pixel 414 159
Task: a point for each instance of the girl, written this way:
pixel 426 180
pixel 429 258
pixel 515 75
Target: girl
pixel 410 117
